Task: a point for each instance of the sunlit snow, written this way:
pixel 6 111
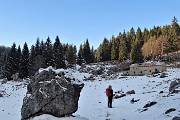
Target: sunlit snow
pixel 93 100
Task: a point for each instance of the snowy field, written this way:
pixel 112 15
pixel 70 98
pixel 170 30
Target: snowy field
pixel 93 100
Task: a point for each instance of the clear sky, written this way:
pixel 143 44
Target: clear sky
pixel 76 20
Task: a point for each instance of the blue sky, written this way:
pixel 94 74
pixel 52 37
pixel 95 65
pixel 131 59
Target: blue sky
pixel 76 20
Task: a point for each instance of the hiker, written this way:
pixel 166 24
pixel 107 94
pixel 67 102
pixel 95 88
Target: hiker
pixel 109 93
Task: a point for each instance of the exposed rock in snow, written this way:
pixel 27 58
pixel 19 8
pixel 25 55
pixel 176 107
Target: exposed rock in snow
pixel 93 101
pixel 119 96
pixel 130 92
pixel 170 110
pixel 149 104
pixel 49 94
pixel 1 95
pixel 174 84
pixel 133 100
pixel 176 118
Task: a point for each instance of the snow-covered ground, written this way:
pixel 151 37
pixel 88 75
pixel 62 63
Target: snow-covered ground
pixel 11 102
pixel 93 100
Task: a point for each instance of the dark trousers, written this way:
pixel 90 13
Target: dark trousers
pixel 110 101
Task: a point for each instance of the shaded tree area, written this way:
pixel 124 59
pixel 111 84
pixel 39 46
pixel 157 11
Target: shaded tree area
pixel 85 54
pixel 59 58
pixel 11 64
pixel 26 62
pixel 3 57
pixel 23 62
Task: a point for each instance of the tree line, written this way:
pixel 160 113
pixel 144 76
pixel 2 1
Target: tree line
pixel 132 45
pixel 139 45
pixel 26 62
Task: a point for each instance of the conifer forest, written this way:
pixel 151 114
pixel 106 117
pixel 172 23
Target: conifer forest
pixel 135 45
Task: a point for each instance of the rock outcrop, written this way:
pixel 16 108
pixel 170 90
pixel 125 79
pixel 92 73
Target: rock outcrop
pixel 173 85
pixel 50 93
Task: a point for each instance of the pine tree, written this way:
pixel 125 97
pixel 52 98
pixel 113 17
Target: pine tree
pixel 176 26
pixel 19 54
pixel 92 55
pixel 3 56
pixel 71 55
pixel 23 71
pixel 131 36
pixel 41 48
pixel 146 35
pixel 74 54
pixel 31 60
pixel 139 37
pixel 133 52
pixel 87 52
pixel 98 54
pixel 37 48
pixel 105 51
pixel 123 53
pixel 80 58
pixel 173 41
pixel 113 48
pixel 59 58
pixel 48 53
pixel 11 63
pixel 136 53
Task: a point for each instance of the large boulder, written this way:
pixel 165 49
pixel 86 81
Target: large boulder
pixel 48 93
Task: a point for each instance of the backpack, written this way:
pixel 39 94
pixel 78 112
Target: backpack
pixel 108 92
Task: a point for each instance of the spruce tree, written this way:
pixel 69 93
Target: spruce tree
pixel 139 37
pixel 80 58
pixel 23 71
pixel 105 51
pixel 131 36
pixel 71 55
pixel 11 63
pixel 37 48
pixel 3 54
pixel 31 60
pixel 146 35
pixel 48 53
pixel 98 54
pixel 136 53
pixel 58 55
pixel 87 52
pixel 123 53
pixel 92 55
pixel 41 48
pixel 74 54
pixel 19 54
pixel 113 48
pixel 133 52
pixel 176 26
pixel 173 41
